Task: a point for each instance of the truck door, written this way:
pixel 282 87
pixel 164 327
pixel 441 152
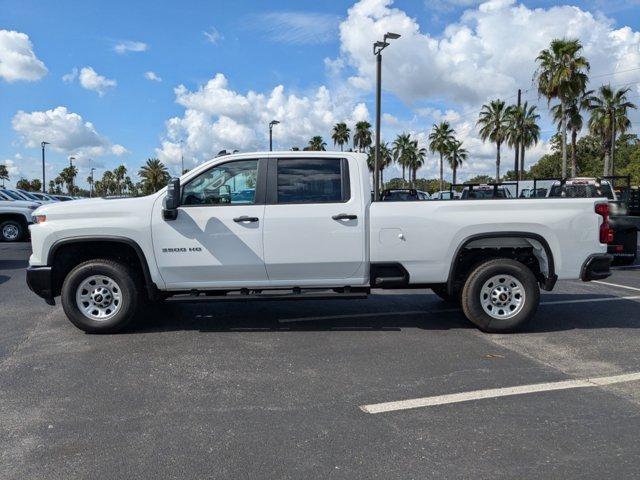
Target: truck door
pixel 216 239
pixel 314 225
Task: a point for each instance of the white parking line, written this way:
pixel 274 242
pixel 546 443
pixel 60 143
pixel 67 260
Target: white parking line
pixel 498 392
pixel 616 285
pixel 445 310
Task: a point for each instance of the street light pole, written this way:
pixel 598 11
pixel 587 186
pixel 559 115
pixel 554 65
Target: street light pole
pixel 377 51
pixel 181 157
pixel 91 186
pixel 71 159
pixel 271 124
pixel 42 144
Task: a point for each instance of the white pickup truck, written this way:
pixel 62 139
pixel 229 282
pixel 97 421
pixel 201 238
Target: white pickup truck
pixel 302 225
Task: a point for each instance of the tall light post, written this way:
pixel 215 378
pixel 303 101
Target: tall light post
pixel 71 159
pixel 91 186
pixel 181 157
pixel 42 144
pixel 377 51
pixel 271 124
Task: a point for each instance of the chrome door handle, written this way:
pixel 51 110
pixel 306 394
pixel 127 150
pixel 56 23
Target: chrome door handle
pixel 244 218
pixel 344 216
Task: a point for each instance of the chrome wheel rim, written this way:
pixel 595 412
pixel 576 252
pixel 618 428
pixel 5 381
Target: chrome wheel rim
pixel 10 232
pixel 99 297
pixel 502 297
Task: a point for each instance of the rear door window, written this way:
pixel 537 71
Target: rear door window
pixel 312 180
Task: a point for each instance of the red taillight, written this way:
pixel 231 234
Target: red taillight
pixel 606 232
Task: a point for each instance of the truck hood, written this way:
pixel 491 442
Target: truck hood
pixel 95 208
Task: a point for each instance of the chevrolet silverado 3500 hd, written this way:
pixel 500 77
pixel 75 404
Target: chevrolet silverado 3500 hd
pixel 257 224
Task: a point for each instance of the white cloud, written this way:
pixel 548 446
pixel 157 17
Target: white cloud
pixel 17 60
pixel 71 76
pixel 300 28
pixel 66 132
pixel 130 46
pixel 90 80
pixel 217 117
pixel 152 76
pixel 213 36
pixel 489 52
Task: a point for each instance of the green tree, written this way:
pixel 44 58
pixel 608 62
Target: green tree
pixel 493 126
pixel 154 175
pixel 340 135
pixel 522 129
pixel 562 74
pixel 573 120
pixel 386 158
pixel 23 184
pixel 67 175
pixel 362 136
pixel 480 179
pixel 119 174
pixel 439 139
pixel 609 116
pixel 456 156
pixel 4 174
pixel 317 144
pixel 35 185
pixel 401 145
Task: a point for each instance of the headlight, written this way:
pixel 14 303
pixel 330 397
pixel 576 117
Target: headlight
pixel 39 218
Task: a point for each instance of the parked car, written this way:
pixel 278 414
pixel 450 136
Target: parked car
pixel 62 198
pixel 483 192
pixel 311 230
pixel 403 195
pixel 15 218
pixel 582 187
pixel 44 198
pixel 445 195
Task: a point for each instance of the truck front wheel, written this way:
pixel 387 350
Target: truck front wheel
pixel 100 296
pixel 500 295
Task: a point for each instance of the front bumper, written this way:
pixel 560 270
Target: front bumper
pixel 40 282
pixel 596 267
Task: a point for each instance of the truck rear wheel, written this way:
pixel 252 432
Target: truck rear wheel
pixel 100 296
pixel 500 295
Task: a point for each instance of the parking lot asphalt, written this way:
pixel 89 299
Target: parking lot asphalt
pixel 273 390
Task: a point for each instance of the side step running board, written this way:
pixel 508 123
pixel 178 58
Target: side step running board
pixel 240 297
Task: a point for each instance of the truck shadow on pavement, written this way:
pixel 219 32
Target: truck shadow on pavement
pixel 392 313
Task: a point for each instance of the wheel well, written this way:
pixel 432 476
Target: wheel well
pixel 66 256
pixel 13 216
pixel 531 251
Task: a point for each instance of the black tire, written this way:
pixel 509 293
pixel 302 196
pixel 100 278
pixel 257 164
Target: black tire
pixel 472 291
pixel 441 291
pixel 128 286
pixel 12 231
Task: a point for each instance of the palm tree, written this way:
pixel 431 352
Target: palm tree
pixel 386 158
pixel 4 174
pixel 608 117
pixel 317 144
pixel 562 74
pixel 340 135
pixel 456 156
pixel 574 121
pixel 522 129
pixel 493 126
pixel 439 139
pixel 119 173
pixel 400 146
pixel 67 176
pixel 154 175
pixel 362 136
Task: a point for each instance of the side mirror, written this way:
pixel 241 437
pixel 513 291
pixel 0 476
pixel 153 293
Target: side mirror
pixel 172 200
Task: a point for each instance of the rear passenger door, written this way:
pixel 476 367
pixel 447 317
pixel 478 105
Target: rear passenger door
pixel 314 223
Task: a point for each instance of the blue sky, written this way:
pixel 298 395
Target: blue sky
pixel 318 52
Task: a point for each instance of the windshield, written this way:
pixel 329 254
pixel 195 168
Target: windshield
pixel 589 190
pixel 484 193
pixel 30 196
pixel 12 194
